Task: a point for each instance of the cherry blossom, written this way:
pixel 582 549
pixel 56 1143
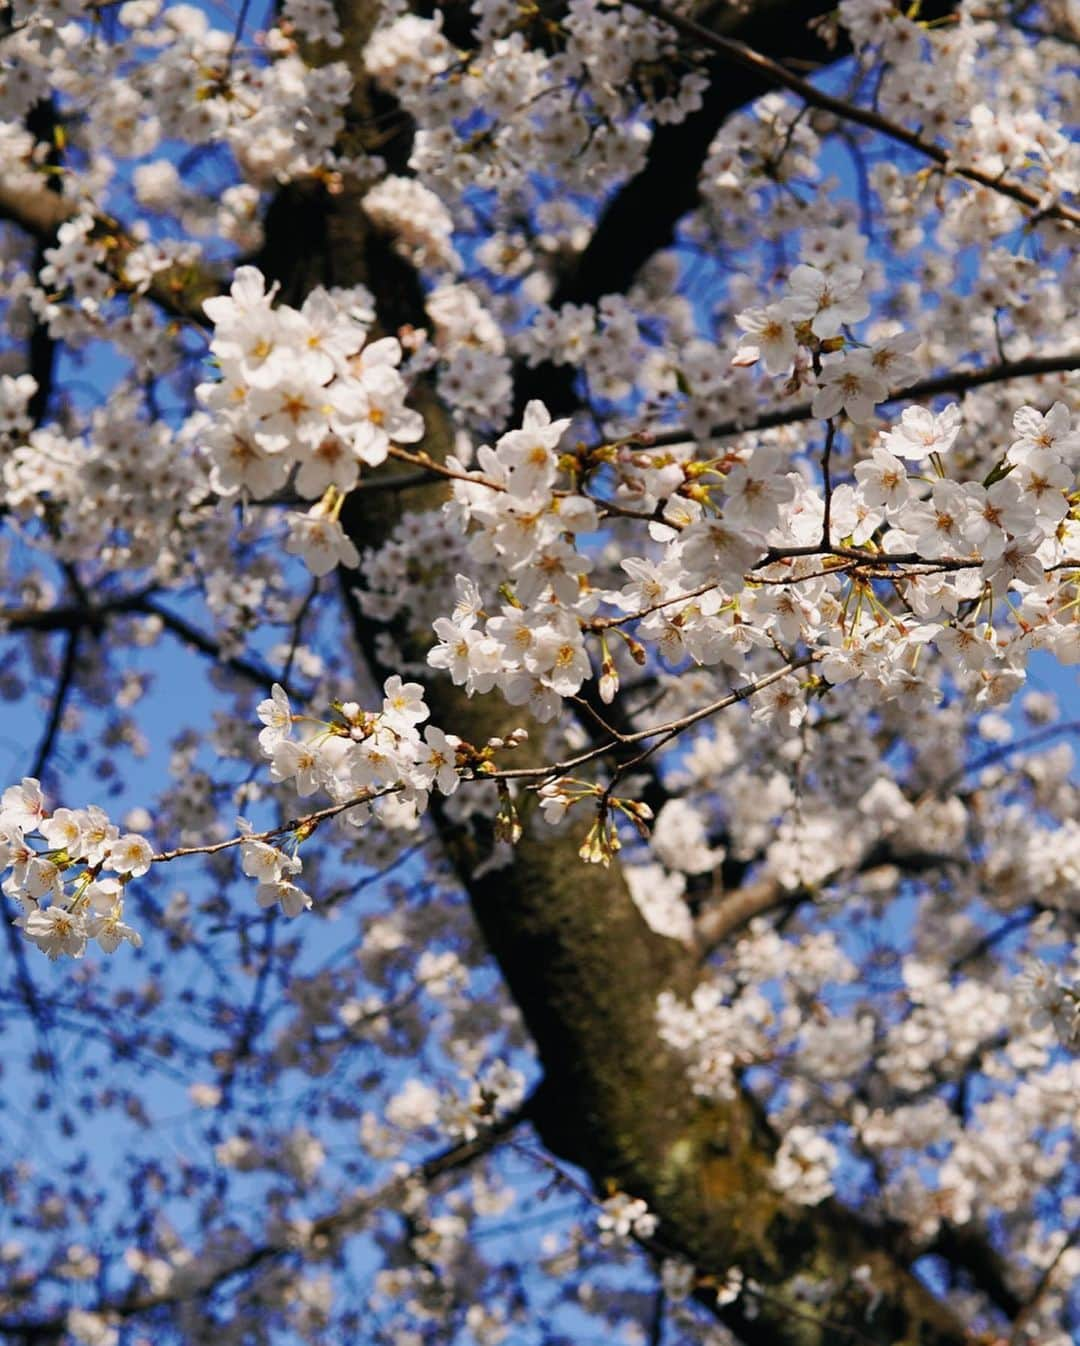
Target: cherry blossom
pixel 540 565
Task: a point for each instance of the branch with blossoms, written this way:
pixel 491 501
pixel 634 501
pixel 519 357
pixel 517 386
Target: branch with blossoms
pixel 1042 204
pixel 304 392
pixel 668 729
pixel 46 215
pixel 956 381
pixel 356 743
pixel 74 889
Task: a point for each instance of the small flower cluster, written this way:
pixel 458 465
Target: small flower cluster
pixel 601 843
pixel 624 1217
pixel 274 869
pixel 15 394
pixel 804 1166
pixel 419 223
pixel 65 900
pixel 118 487
pixel 534 650
pixel 1051 998
pixel 303 393
pixel 808 324
pixel 606 340
pixel 379 759
pixel 474 377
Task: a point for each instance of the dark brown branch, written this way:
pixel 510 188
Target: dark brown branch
pixel 746 57
pixel 199 640
pixel 970 1250
pixel 76 617
pixel 41 123
pixel 959 382
pixel 64 682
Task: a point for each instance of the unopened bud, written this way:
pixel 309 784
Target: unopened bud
pixel 507 822
pixel 637 650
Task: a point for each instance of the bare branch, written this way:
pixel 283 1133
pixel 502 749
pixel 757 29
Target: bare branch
pixel 64 682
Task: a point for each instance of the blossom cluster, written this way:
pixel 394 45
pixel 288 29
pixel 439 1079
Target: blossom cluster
pixel 803 1166
pixel 365 760
pixel 623 1217
pixel 303 395
pixel 71 888
pixel 534 650
pixel 119 487
pixel 735 569
pixel 1053 998
pixel 492 1093
pixel 486 121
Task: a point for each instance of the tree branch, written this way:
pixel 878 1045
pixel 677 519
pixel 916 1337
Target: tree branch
pixel 961 381
pixel 743 55
pixel 320 1234
pixel 64 682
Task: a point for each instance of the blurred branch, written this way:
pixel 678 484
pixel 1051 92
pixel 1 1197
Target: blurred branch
pixel 747 57
pixel 1031 1304
pixel 198 640
pixel 967 1248
pixel 61 692
pixel 77 617
pixel 728 912
pixel 960 381
pixel 317 1235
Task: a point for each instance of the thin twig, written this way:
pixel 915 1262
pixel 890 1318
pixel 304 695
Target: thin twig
pixel 307 823
pixel 670 728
